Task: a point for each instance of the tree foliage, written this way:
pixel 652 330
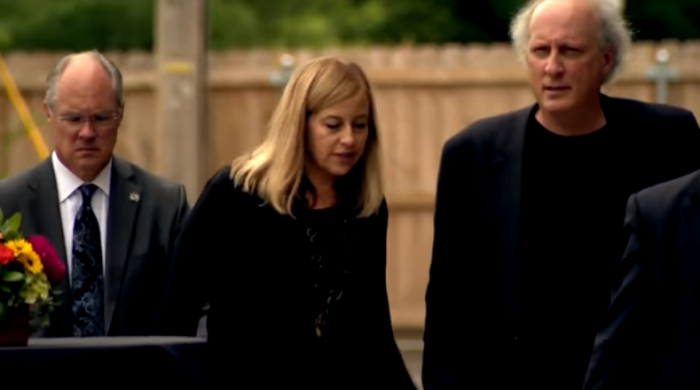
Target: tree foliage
pixel 128 24
pixel 77 24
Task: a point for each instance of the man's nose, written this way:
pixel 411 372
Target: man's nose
pixel 87 129
pixel 554 65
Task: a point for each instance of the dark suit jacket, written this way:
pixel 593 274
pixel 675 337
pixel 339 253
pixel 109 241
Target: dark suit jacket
pixel 470 337
pixel 140 237
pixel 253 267
pixel 650 336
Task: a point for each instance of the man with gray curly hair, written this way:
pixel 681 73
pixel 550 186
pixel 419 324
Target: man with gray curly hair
pixel 530 207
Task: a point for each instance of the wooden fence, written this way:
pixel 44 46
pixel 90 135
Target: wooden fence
pixel 424 95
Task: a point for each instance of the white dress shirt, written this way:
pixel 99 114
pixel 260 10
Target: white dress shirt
pixel 70 200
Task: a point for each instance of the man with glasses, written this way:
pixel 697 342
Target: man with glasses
pixel 111 222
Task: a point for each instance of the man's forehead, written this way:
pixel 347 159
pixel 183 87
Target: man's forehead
pixel 564 12
pixel 582 37
pixel 564 20
pixel 84 81
pixel 90 84
pixel 85 101
pixel 84 71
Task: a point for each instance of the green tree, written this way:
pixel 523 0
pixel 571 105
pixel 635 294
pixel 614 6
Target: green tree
pixel 78 24
pixel 656 20
pixel 128 24
pixel 251 23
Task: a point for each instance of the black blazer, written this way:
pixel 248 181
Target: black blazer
pixel 145 215
pixel 650 336
pixel 470 337
pixel 250 264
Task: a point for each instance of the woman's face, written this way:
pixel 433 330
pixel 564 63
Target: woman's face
pixel 336 138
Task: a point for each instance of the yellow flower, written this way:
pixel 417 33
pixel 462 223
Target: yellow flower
pixel 18 246
pixel 26 256
pixel 31 262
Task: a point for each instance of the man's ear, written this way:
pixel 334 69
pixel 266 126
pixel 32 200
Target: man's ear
pixel 608 61
pixel 47 111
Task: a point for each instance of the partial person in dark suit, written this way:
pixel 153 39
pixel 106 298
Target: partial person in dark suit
pixel 288 246
pixel 650 336
pixel 530 207
pixel 112 223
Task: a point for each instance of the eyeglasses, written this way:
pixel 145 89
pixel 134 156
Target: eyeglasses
pixel 99 121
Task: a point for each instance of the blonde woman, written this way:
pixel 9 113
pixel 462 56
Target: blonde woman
pixel 288 247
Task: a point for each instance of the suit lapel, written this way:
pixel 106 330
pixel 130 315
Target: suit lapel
pixel 46 220
pixel 689 226
pixel 504 184
pixel 124 204
pixel 46 214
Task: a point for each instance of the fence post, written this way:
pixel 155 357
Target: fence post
pixel 662 75
pixel 181 90
pixel 281 77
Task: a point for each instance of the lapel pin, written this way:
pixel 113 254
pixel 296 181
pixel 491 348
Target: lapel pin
pixel 134 197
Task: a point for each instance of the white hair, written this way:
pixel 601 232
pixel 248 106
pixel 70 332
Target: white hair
pixel 615 33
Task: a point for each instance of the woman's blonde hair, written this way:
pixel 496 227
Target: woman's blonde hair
pixel 275 169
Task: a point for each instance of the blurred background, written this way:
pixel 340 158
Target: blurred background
pixel 203 76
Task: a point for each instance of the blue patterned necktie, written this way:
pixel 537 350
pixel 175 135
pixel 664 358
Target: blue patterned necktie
pixel 87 280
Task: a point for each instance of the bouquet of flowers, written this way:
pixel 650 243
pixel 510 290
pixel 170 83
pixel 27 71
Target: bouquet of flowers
pixel 29 267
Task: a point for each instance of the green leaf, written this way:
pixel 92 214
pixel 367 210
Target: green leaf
pixel 6 288
pixel 12 276
pixel 12 224
pixel 2 217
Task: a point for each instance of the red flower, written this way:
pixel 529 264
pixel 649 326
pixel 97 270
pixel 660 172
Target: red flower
pixel 53 266
pixel 6 255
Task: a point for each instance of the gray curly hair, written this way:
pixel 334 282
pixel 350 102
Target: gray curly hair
pixel 615 33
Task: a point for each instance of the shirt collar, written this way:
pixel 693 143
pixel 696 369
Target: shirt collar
pixel 67 183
